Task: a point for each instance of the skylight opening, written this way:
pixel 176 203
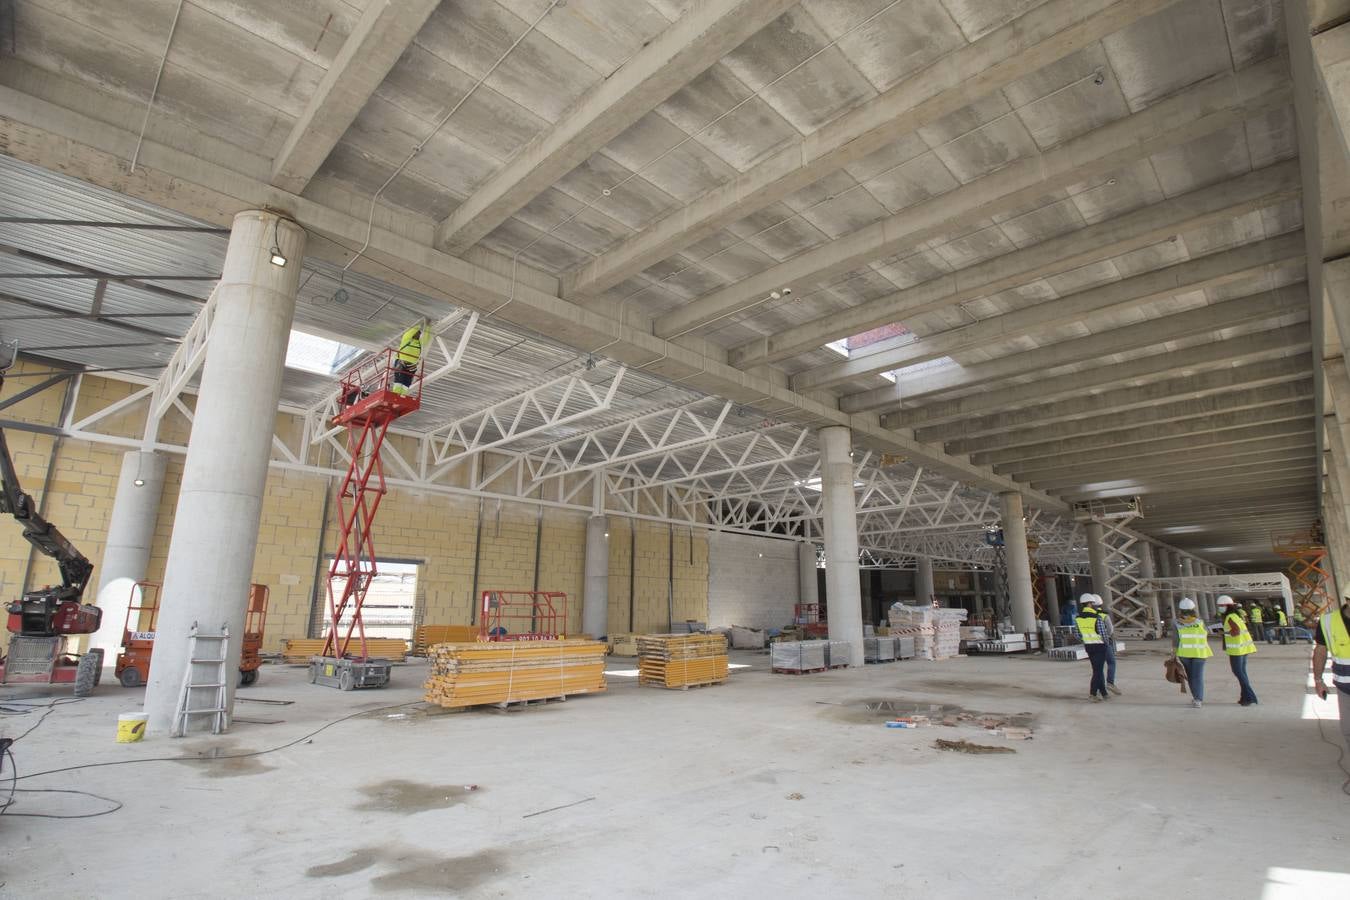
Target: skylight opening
pixel 318 355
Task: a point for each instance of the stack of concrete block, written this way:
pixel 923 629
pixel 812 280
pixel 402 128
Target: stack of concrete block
pixel 936 631
pixel 799 656
pixel 904 647
pixel 879 649
pixel 838 654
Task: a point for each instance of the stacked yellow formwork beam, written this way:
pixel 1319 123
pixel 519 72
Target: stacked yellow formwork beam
pixel 682 660
pixel 511 671
pixel 297 651
pixel 425 636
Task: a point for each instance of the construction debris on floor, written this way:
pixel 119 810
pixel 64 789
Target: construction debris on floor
pixel 514 671
pixel 964 746
pixel 297 651
pixel 682 660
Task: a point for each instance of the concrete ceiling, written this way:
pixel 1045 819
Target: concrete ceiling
pixel 1086 214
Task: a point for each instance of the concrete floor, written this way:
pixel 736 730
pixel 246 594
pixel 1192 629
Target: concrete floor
pixel 771 786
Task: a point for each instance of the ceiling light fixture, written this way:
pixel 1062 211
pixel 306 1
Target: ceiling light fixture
pixel 278 258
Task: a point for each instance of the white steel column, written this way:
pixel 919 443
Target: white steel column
pixel 131 530
pixel 215 530
pixel 1147 571
pixel 808 584
pixel 595 602
pixel 843 592
pixel 923 581
pixel 1101 575
pixel 1019 563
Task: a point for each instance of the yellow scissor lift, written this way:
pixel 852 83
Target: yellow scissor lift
pixel 1309 576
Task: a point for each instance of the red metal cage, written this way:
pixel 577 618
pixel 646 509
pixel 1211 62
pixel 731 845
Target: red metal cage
pixel 522 615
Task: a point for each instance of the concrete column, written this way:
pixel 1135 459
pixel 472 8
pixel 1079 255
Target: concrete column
pixel 1147 570
pixel 1050 584
pixel 215 530
pixel 1019 564
pixel 924 589
pixel 131 530
pixel 1101 575
pixel 808 584
pixel 1167 565
pixel 1188 572
pixel 595 600
pixel 843 591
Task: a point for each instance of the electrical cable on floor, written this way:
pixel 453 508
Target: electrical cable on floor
pixel 9 708
pixel 14 789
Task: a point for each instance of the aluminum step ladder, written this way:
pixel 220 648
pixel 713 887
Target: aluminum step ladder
pixel 211 653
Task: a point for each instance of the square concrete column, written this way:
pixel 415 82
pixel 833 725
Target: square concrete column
pixel 131 531
pixel 215 531
pixel 923 581
pixel 595 600
pixel 1101 575
pixel 843 591
pixel 808 584
pixel 1019 563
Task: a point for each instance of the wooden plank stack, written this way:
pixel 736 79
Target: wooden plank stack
pixel 426 635
pixel 297 651
pixel 478 674
pixel 682 660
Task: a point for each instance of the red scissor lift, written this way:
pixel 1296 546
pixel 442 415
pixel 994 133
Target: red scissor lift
pixel 522 616
pixel 367 406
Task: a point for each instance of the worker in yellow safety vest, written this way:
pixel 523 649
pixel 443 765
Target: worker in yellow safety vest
pixel 408 355
pixel 1238 644
pixel 1089 625
pixel 1190 643
pixel 1333 637
pixel 1257 617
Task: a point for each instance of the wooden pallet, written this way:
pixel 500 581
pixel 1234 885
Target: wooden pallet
pixel 806 671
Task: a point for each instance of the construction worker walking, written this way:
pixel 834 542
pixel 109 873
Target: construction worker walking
pixel 408 355
pixel 1238 644
pixel 1190 642
pixel 1088 621
pixel 1333 637
pixel 1282 621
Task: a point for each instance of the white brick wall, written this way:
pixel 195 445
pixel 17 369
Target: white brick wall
pixel 751 581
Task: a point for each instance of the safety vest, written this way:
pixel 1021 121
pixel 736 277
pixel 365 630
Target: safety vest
pixel 1087 627
pixel 1257 615
pixel 1193 642
pixel 1242 612
pixel 1240 645
pixel 1281 618
pixel 1338 645
pixel 410 346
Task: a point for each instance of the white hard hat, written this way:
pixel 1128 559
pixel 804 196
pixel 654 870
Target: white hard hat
pixel 1186 603
pixel 1225 600
pixel 1090 599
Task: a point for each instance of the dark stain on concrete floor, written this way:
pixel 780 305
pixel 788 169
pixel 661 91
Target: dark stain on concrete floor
pixel 223 760
pixel 397 795
pixel 875 710
pixel 416 870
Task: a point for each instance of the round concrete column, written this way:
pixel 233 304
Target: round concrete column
pixel 1050 584
pixel 808 584
pixel 215 530
pixel 843 592
pixel 1146 571
pixel 595 603
pixel 131 531
pixel 1101 575
pixel 1019 564
pixel 924 591
pixel 1187 572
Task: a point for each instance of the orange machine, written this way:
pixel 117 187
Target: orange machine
pixel 138 643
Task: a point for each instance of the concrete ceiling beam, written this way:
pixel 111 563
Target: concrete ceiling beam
pixel 1048 33
pixel 1206 429
pixel 679 54
pixel 376 42
pixel 1056 467
pixel 1292 478
pixel 1213 105
pixel 43 133
pixel 1250 261
pixel 1137 469
pixel 1143 418
pixel 1203 384
pixel 1272 434
pixel 1263 307
pixel 1203 208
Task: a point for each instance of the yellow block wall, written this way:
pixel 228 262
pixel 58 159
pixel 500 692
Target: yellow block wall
pixel 435 529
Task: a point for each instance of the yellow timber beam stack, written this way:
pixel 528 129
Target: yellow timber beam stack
pixel 682 660
pixel 485 673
